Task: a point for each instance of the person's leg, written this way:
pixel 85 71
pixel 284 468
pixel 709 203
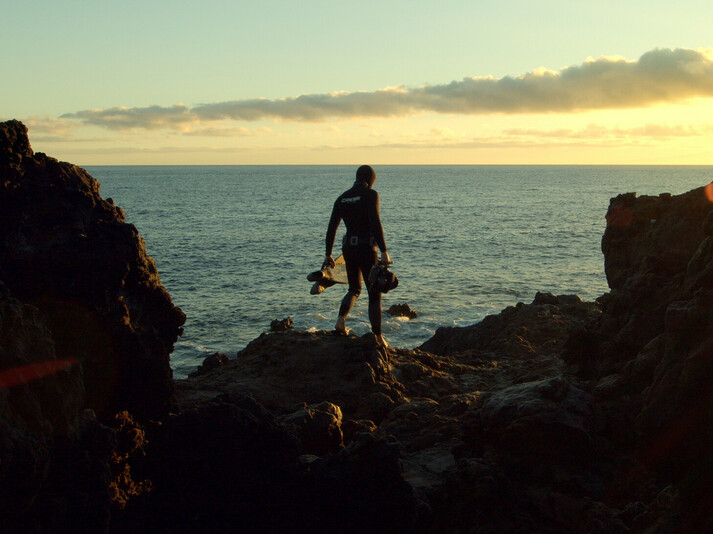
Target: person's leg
pixel 354 279
pixel 368 261
pixel 375 311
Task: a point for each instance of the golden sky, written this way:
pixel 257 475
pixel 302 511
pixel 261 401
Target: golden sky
pixel 290 87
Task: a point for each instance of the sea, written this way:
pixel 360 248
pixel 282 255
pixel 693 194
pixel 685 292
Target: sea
pixel 234 244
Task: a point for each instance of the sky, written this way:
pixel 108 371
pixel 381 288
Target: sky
pixel 377 82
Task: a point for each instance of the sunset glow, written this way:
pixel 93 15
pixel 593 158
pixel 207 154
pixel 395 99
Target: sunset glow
pixel 329 84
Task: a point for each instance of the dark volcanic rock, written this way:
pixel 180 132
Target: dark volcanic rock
pixel 402 310
pixel 648 244
pixel 211 362
pixel 54 457
pixel 549 419
pixel 85 326
pixel 541 328
pixel 68 252
pixel 555 416
pixel 284 370
pixel 228 464
pixel 318 427
pixel 283 325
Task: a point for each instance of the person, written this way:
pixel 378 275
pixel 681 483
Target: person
pixel 358 207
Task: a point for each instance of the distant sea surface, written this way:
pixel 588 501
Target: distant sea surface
pixel 234 244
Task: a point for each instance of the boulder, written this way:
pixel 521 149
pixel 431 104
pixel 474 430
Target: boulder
pixel 546 420
pixel 319 428
pixel 402 310
pixel 216 359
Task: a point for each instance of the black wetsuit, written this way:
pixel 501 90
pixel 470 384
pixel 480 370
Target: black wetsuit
pixel 358 207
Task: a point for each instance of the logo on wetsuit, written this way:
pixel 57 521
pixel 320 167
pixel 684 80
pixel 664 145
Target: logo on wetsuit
pixel 351 200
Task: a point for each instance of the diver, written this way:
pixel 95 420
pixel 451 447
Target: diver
pixel 359 208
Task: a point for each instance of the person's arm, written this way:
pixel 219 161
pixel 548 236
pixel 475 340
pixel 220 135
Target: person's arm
pixel 334 221
pixel 377 229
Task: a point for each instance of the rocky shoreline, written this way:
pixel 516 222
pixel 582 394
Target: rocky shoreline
pixel 553 416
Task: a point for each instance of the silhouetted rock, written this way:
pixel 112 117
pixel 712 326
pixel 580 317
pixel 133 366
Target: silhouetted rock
pixel 85 326
pixel 281 326
pixel 318 427
pixel 648 244
pixel 211 362
pixel 555 416
pixel 54 456
pixel 402 310
pixel 69 253
pixel 541 328
pixel 285 370
pixel 228 464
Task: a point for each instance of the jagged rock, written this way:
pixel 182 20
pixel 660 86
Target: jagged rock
pixel 211 362
pixel 360 489
pixel 350 428
pixel 548 419
pixel 50 405
pixel 280 326
pixel 402 310
pixel 286 369
pixel 229 462
pixel 318 427
pixel 224 463
pixel 648 245
pixel 54 457
pixel 69 253
pixel 541 328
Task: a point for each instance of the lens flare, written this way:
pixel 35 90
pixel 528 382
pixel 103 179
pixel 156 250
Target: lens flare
pixel 709 192
pixel 33 371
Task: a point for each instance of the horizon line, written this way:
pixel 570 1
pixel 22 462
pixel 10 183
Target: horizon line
pixel 396 165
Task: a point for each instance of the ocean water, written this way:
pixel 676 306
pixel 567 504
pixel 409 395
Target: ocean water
pixel 234 244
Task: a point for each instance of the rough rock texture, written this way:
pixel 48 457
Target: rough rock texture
pixel 228 464
pixel 540 329
pixel 555 416
pixel 54 456
pixel 648 244
pixel 424 403
pixel 85 328
pixel 69 253
pixel 402 310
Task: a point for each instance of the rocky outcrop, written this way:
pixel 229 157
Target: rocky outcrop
pixel 501 398
pixel 69 253
pixel 648 244
pixel 85 328
pixel 540 329
pixel 54 455
pixel 229 463
pixel 554 416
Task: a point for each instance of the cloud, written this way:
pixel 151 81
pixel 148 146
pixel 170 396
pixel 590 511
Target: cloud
pixel 227 131
pixel 594 131
pixel 177 117
pixel 659 76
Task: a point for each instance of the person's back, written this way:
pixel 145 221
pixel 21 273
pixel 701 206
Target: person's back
pixel 358 207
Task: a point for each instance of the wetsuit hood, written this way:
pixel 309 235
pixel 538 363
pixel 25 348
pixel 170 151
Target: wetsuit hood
pixel 366 174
